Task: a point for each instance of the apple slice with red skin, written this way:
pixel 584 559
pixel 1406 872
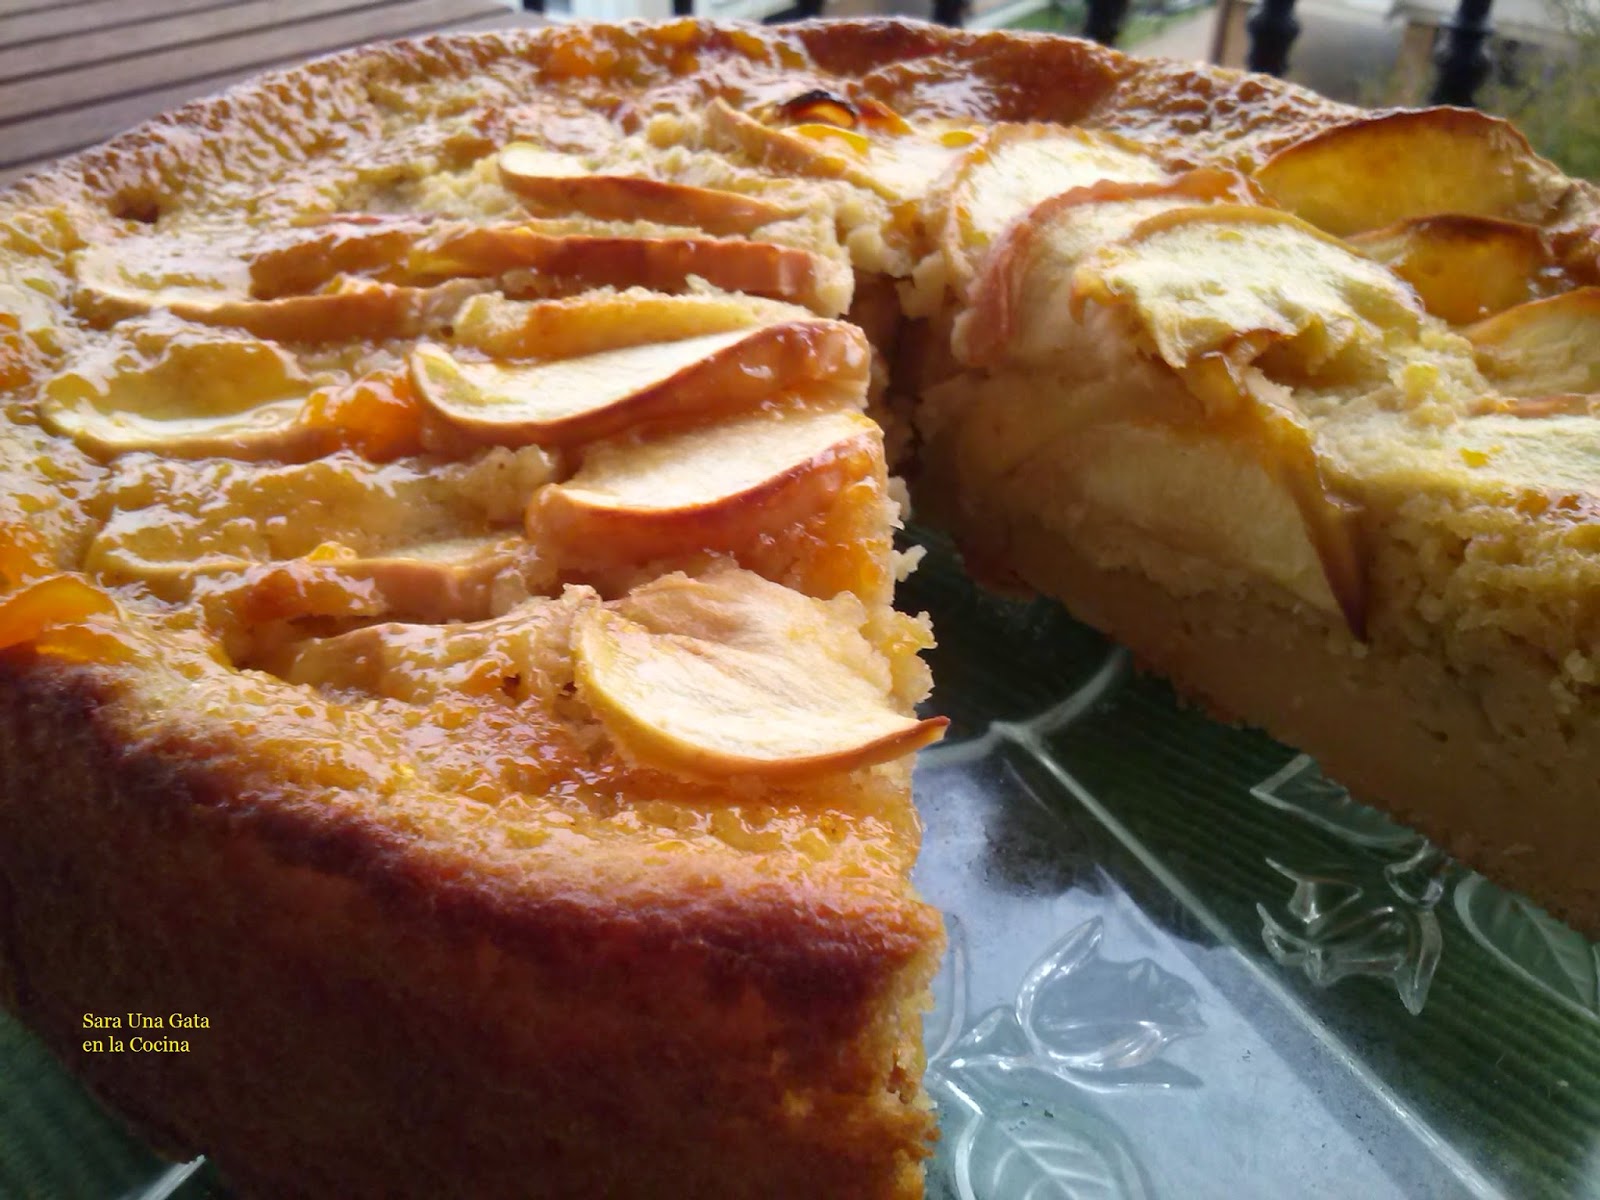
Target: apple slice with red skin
pixel 576 261
pixel 716 489
pixel 1026 277
pixel 557 185
pixel 734 675
pixel 638 389
pixel 1012 168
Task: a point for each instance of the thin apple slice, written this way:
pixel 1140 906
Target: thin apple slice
pixel 890 158
pixel 1464 268
pixel 733 675
pixel 1012 169
pixel 715 489
pixel 1377 171
pixel 638 388
pixel 451 580
pixel 576 261
pixel 55 616
pixel 1222 283
pixel 305 258
pixel 188 391
pixel 553 184
pixel 116 281
pixel 605 319
pixel 1020 302
pixel 409 535
pixel 1209 291
pixel 1543 348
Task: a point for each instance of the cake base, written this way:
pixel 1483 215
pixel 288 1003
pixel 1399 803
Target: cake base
pixel 1510 796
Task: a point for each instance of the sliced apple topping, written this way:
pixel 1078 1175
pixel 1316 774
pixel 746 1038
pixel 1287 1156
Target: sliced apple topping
pixel 1214 287
pixel 606 319
pixel 554 184
pixel 714 489
pixel 731 674
pixel 1210 291
pixel 305 258
pixel 1021 298
pixel 638 388
pixel 573 262
pixel 1013 168
pixel 1464 268
pixel 524 654
pixel 62 617
pixel 407 537
pixel 158 384
pixel 888 157
pixel 1544 348
pixel 212 284
pixel 1376 171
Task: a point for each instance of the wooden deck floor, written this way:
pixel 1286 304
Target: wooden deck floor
pixel 74 72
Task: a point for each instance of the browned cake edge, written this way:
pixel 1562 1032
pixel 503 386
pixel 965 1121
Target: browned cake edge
pixel 383 1024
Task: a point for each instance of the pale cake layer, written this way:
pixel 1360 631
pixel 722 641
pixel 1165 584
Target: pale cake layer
pixel 1440 748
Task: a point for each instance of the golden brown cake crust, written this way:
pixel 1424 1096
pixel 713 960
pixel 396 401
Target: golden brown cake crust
pixel 358 1061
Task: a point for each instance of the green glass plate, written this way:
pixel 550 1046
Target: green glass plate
pixel 1183 963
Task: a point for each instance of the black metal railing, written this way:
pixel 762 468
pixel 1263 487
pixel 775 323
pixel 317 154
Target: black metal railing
pixel 1462 60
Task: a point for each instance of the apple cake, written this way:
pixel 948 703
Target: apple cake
pixel 446 562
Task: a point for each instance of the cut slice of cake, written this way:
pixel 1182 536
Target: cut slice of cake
pixel 1274 468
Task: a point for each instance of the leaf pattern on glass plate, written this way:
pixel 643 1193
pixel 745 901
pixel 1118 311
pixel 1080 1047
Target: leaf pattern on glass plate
pixel 1022 1152
pixel 1362 917
pixel 1371 916
pixel 1301 788
pixel 1532 943
pixel 1087 1013
pixel 1016 1088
